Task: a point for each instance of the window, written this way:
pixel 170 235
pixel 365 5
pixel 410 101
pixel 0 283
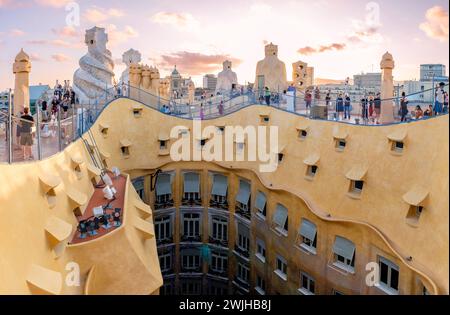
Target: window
pixel 166 263
pixel 138 185
pixel 280 220
pixel 191 226
pixel 219 262
pixel 341 144
pixel 191 287
pixel 240 147
pixel 162 145
pixel 336 292
pixel 191 260
pixel 243 199
pixel 344 254
pixel 191 189
pixel 243 240
pixel 389 276
pixel 303 134
pixel 357 187
pixel 281 268
pixel 307 284
pixel 125 151
pixel 312 170
pixel 219 191
pixel 163 191
pixel 398 146
pixel 163 229
pixel 260 285
pixel 260 205
pixel 414 214
pixel 243 273
pixel 308 236
pixel 219 230
pixel 280 157
pixel 260 250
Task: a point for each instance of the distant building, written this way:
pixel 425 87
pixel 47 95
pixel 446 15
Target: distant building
pixel 428 71
pixel 4 100
pixel 210 82
pixel 179 86
pixel 368 80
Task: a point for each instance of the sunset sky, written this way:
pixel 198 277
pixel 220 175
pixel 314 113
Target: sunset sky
pixel 338 37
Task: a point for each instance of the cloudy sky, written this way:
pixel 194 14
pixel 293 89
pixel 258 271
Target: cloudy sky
pixel 338 37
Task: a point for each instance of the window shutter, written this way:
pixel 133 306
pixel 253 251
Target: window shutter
pixel 308 230
pixel 191 183
pixel 343 247
pixel 163 185
pixel 280 216
pixel 260 201
pixel 220 185
pixel 244 192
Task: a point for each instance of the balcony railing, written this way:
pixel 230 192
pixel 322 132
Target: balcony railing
pixel 241 251
pixel 221 204
pixel 191 239
pixel 214 241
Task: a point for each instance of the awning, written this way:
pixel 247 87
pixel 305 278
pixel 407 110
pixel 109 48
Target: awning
pixel 57 229
pixel 137 107
pixel 357 173
pixel 264 113
pixel 93 170
pixel 163 185
pixel 416 196
pixel 308 230
pixel 49 181
pixel 76 160
pixel 124 143
pixel 280 216
pixel 312 160
pixel 78 198
pixel 45 279
pixel 303 125
pixel 243 230
pixel 340 134
pixel 104 154
pixel 163 136
pixel 244 192
pixel 103 126
pixel 220 185
pixel 191 183
pixel 398 135
pixel 343 247
pixel 260 201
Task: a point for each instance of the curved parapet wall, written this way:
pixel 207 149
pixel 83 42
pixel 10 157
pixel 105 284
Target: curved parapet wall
pixel 377 219
pixel 38 222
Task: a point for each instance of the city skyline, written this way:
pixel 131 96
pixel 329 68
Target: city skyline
pixel 198 36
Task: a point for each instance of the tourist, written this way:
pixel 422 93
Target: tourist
pixel 308 99
pixel 44 111
pixel 339 107
pixel 55 104
pixel 267 96
pixel 317 94
pixel 365 109
pixel 328 99
pixel 445 103
pixel 65 106
pixel 72 97
pixel 371 107
pixel 18 128
pixel 26 139
pixel 221 108
pixel 202 114
pixel 439 99
pixel 403 107
pixel 377 108
pixel 347 107
pixel 428 112
pixel 418 112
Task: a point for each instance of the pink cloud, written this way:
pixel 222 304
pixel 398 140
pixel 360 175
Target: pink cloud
pixel 436 25
pixel 179 20
pixel 35 57
pixel 98 15
pixel 53 3
pixel 117 36
pixel 16 33
pixel 67 31
pixel 60 58
pixel 195 63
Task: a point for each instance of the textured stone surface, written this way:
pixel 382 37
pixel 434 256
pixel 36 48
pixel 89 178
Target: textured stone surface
pixel 129 57
pixel 273 70
pixel 96 67
pixel 226 78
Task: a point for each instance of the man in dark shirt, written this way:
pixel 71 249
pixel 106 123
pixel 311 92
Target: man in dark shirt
pixel 26 139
